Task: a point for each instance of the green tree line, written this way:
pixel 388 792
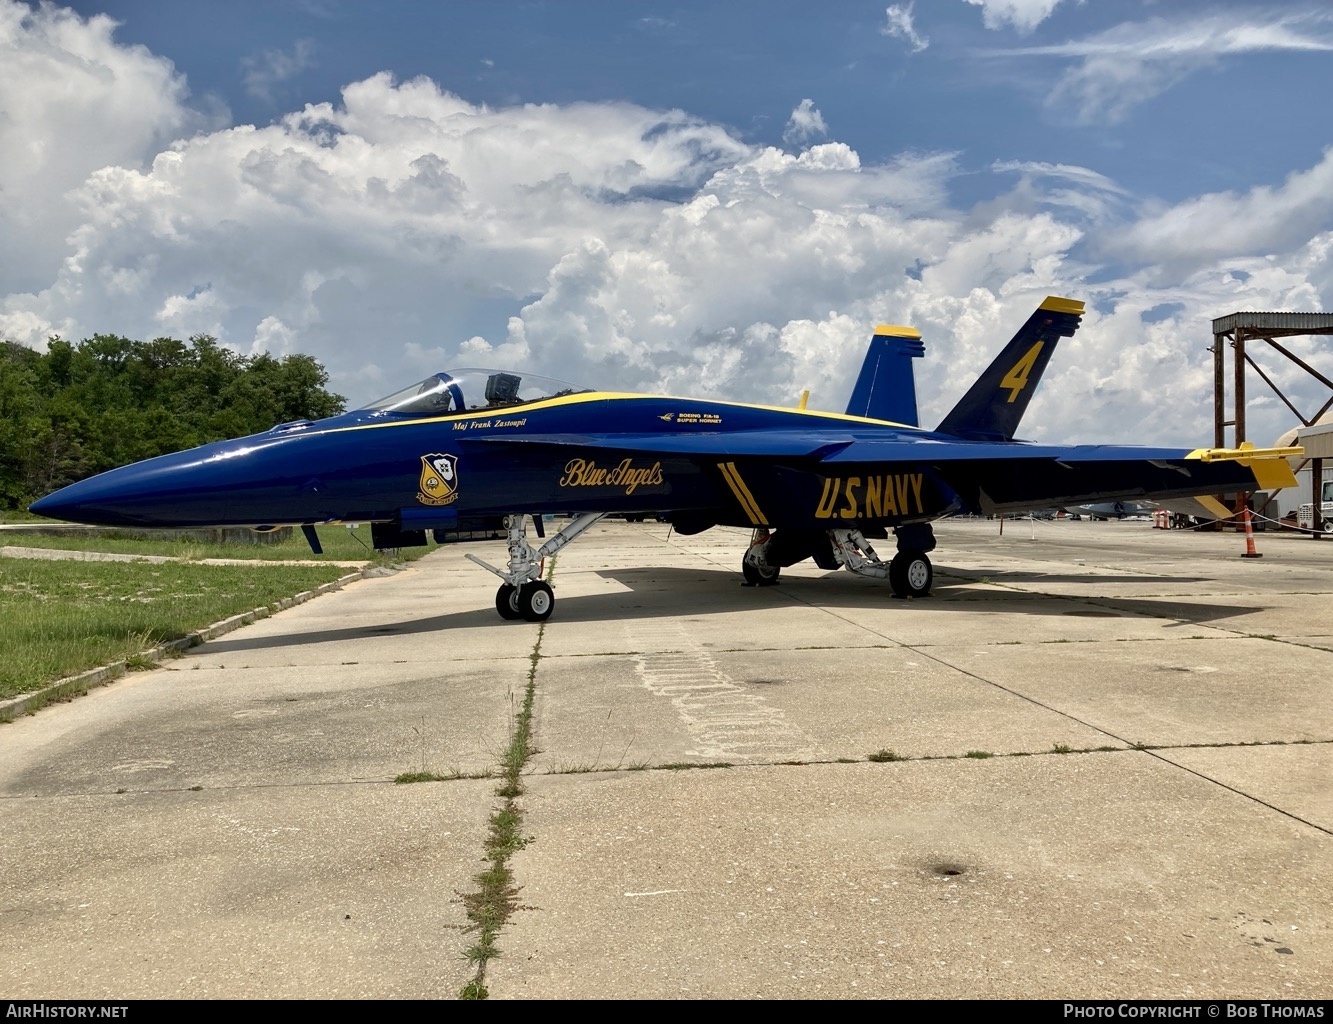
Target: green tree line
pixel 80 408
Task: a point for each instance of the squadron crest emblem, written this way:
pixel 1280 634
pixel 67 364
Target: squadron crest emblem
pixel 439 479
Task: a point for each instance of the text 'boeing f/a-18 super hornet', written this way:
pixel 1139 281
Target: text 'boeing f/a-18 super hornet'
pixel 475 450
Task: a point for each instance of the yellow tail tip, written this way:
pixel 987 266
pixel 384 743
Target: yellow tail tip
pixel 896 331
pixel 1055 304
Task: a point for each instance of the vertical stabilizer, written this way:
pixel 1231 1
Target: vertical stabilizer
pixel 994 405
pixel 886 388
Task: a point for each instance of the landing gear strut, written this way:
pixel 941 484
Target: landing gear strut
pixel 523 594
pixel 910 573
pixel 755 567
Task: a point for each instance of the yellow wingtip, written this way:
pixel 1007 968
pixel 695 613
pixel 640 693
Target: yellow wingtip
pixel 1272 471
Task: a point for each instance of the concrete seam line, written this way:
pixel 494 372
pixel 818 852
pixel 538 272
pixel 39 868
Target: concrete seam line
pixel 82 682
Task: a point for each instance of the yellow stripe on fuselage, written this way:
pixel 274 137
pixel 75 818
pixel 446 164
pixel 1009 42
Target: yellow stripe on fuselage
pixel 605 396
pixel 733 478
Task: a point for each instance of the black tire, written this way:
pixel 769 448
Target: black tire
pixel 506 602
pixel 757 577
pixel 1326 526
pixel 911 574
pixel 536 601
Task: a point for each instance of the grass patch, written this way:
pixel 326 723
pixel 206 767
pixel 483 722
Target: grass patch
pixel 684 766
pixel 409 777
pixel 979 754
pixel 884 755
pixel 61 618
pixel 1060 748
pixel 338 542
pixel 14 515
pixel 452 775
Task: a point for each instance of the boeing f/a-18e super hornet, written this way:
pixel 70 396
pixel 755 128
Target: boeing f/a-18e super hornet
pixel 471 450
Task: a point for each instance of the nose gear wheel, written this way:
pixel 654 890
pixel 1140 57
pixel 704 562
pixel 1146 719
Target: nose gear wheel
pixel 506 602
pixel 535 601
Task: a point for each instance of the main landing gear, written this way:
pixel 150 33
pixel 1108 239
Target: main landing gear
pixel 909 573
pixel 755 567
pixel 523 594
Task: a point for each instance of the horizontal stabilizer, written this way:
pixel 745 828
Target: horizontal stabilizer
pixel 1201 506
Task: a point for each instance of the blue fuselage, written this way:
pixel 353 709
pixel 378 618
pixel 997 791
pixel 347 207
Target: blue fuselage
pixel 559 455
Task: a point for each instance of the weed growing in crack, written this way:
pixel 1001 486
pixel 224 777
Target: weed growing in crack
pixel 885 755
pixel 495 897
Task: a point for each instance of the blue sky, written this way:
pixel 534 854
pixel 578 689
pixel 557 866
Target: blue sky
pixel 716 198
pixel 746 64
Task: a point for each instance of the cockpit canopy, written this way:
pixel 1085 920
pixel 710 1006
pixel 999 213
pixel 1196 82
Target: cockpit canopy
pixel 454 391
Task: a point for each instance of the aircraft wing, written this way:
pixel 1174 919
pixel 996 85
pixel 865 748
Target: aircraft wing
pixel 990 476
pixel 1077 475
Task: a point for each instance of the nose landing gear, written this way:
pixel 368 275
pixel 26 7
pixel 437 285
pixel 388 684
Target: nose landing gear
pixel 523 594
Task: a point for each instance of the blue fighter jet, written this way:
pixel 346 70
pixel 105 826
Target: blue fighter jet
pixel 469 450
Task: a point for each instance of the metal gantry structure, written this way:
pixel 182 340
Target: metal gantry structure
pixel 1235 331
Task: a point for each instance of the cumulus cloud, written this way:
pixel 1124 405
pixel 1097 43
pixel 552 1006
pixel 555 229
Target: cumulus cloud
pixel 805 123
pixel 898 25
pixel 87 102
pixel 1218 225
pixel 1024 15
pixel 404 229
pixel 1123 66
pixel 272 67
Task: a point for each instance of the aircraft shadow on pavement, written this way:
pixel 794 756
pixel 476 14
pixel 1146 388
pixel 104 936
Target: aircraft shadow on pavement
pixel 1028 576
pixel 953 591
pixel 658 592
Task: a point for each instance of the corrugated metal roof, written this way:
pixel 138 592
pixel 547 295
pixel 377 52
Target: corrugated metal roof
pixel 1287 323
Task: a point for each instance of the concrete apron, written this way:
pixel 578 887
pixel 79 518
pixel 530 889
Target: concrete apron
pixel 1153 817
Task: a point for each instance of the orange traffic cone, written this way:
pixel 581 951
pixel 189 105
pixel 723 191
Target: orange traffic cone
pixel 1249 537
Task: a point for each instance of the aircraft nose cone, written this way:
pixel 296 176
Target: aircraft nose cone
pixel 52 506
pixel 171 489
